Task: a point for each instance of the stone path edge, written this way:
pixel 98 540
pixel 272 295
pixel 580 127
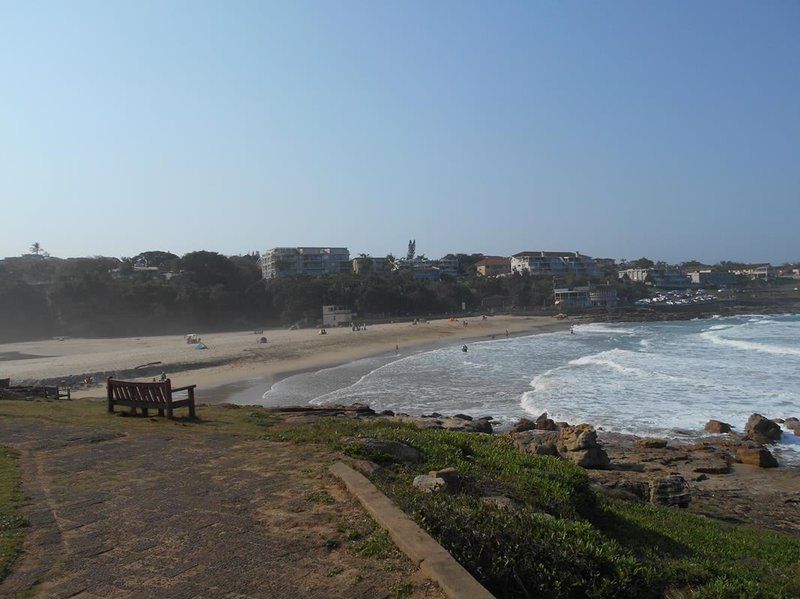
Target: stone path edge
pixel 417 544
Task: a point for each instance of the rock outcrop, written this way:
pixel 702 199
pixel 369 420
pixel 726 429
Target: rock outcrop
pixel 756 456
pixel 448 480
pixel 672 490
pixel 761 429
pixel 392 450
pixel 649 443
pixel 543 423
pixel 579 445
pixel 536 442
pixel 523 424
pixel 717 427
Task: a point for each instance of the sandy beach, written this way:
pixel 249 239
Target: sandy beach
pixel 236 356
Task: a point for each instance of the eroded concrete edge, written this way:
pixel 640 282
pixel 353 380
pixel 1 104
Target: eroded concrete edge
pixel 417 544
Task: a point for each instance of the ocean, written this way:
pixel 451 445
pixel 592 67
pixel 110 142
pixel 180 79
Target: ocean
pixel 656 379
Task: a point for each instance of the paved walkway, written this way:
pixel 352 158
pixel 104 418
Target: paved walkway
pixel 175 514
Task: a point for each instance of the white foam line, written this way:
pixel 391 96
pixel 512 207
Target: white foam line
pixel 320 398
pixel 750 345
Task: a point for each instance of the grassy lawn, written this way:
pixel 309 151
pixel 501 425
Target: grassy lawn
pixel 564 540
pixel 561 540
pixel 12 524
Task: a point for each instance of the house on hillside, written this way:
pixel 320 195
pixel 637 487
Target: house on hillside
pixel 712 278
pixel 555 264
pixel 493 266
pixel 664 278
pixel 304 262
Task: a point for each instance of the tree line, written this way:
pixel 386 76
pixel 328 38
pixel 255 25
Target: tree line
pixel 44 296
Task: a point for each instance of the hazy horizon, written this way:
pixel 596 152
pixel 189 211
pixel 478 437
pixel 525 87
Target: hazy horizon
pixel 623 129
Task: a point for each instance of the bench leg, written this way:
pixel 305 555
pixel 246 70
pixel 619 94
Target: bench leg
pixel 169 411
pixel 144 412
pixel 191 403
pixel 110 406
pixel 160 411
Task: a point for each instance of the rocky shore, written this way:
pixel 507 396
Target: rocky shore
pixel 725 475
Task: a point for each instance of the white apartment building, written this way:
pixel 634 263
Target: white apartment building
pixel 541 264
pixel 304 262
pixel 765 272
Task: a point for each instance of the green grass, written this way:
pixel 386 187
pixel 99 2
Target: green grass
pixel 563 540
pixel 12 523
pixel 377 545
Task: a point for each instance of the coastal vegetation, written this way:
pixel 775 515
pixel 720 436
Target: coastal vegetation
pixel 44 297
pixel 561 538
pixel 12 523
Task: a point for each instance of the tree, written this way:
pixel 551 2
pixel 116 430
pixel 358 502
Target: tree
pixel 640 263
pixel 36 248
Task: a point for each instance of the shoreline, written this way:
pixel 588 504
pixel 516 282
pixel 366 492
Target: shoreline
pixel 235 361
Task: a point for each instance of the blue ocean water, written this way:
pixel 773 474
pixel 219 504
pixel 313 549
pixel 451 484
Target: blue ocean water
pixel 641 378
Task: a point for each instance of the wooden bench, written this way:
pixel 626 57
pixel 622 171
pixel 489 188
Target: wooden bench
pixel 149 395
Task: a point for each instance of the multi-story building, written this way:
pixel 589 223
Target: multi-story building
pixel 603 296
pixel 572 297
pixel 493 266
pixel 304 262
pixel 657 277
pixel 587 296
pixel 713 278
pixel 554 264
pixel 764 272
pixel 447 266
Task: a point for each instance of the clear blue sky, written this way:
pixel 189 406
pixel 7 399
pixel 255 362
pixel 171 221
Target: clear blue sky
pixel 619 128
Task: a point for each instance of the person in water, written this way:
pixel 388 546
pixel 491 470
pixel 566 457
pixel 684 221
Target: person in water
pixel 464 349
pixel 571 330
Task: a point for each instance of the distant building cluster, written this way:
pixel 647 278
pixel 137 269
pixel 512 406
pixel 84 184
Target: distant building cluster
pixel 318 261
pixel 561 267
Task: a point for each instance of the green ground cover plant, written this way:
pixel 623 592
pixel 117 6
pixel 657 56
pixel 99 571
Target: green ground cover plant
pixel 562 539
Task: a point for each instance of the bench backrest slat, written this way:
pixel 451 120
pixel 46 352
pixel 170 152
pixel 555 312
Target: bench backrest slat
pixel 154 394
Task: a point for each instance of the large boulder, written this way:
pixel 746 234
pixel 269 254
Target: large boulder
pixel 717 427
pixel 447 480
pixel 672 490
pixel 523 424
pixel 579 445
pixel 381 449
pixel 756 456
pixel 593 458
pixel 543 423
pixel 761 429
pixel 573 438
pixel 427 483
pixel 536 442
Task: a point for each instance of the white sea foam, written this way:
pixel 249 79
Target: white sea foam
pixel 750 345
pixel 690 372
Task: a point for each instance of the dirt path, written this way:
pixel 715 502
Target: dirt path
pixel 165 513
